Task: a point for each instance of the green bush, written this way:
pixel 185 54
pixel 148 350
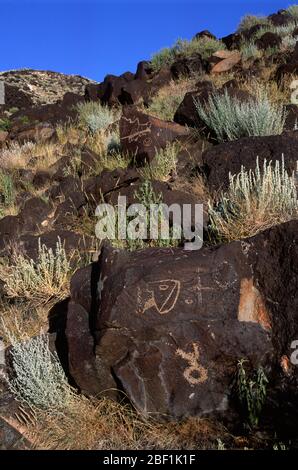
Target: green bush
pixel 248 21
pixel 183 48
pixel 5 124
pixel 95 116
pixel 231 119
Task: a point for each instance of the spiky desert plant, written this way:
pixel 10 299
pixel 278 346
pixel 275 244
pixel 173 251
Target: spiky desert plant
pixel 230 119
pixel 95 116
pixel 256 200
pixel 38 280
pixel 165 103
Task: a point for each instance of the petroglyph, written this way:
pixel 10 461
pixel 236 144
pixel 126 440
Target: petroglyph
pixel 143 129
pixel 194 374
pixel 225 275
pixel 161 295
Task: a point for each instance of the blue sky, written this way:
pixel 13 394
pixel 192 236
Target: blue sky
pixel 97 37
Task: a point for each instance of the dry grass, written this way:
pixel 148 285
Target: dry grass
pixel 106 425
pixel 196 186
pixel 21 319
pixel 36 156
pixel 169 97
pixel 277 94
pixel 163 165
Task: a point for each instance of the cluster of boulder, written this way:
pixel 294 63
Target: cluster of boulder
pixel 164 325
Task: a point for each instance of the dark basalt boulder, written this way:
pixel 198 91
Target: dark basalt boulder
pixel 232 41
pixel 228 157
pixel 186 66
pixel 15 98
pixel 204 34
pixel 168 326
pixel 280 18
pixel 141 135
pixel 268 40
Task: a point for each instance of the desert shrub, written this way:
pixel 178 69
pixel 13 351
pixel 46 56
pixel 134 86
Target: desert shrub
pixel 38 378
pixel 288 42
pixel 164 57
pixel 293 11
pixel 38 280
pixel 182 48
pixel 204 46
pixel 249 50
pixel 164 163
pixel 95 116
pixel 231 119
pixel 256 200
pixel 248 21
pixel 166 102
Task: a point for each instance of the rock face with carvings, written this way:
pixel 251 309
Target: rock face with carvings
pixel 168 326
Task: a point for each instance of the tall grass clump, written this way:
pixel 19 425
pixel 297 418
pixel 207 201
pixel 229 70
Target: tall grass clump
pixel 256 200
pixel 248 21
pixel 166 102
pixel 38 280
pixel 164 163
pixel 95 116
pixel 230 119
pixel 7 191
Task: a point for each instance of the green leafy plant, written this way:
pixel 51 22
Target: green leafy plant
pixel 5 124
pixel 251 392
pixel 7 189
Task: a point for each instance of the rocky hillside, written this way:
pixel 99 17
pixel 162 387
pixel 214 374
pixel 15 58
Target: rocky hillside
pixel 44 86
pixel 205 341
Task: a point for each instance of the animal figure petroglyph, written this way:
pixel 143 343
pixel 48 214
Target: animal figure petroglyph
pixel 161 295
pixel 194 374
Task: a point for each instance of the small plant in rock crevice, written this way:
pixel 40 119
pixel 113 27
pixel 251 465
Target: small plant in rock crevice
pixel 251 392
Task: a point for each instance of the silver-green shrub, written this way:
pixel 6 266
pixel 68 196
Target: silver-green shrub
pixel 230 119
pixel 95 116
pixel 38 378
